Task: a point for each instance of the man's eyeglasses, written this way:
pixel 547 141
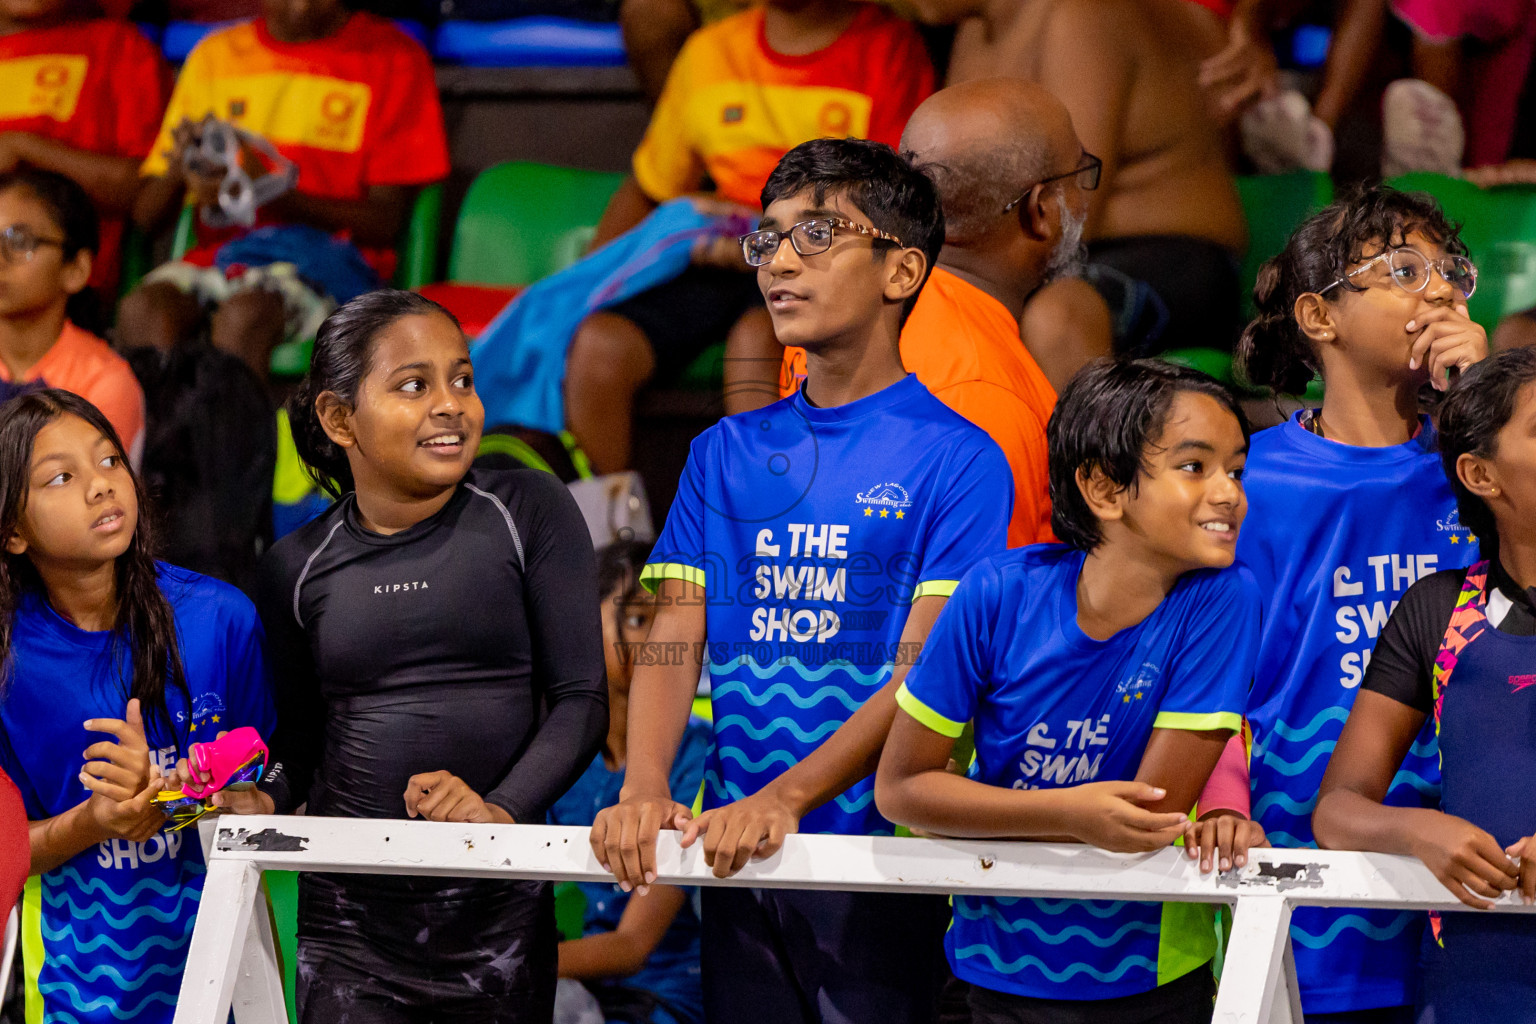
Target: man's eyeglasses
pixel 1087 178
pixel 18 244
pixel 1409 270
pixel 809 237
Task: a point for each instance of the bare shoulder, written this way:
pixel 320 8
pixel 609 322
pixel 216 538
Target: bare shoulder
pixel 1073 36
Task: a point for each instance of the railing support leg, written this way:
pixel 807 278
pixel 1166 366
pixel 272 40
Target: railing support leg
pixel 1258 982
pixel 219 939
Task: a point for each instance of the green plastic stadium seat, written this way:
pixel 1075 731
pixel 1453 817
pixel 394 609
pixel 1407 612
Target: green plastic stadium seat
pixel 1274 205
pixel 1499 227
pixel 1209 361
pixel 522 221
pixel 416 261
pixel 283 895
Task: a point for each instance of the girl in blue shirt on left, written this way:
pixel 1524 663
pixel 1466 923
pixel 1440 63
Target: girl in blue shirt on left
pixel 150 658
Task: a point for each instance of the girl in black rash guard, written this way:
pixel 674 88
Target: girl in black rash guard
pixel 438 654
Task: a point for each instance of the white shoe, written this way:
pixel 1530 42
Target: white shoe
pixel 1280 134
pixel 1421 130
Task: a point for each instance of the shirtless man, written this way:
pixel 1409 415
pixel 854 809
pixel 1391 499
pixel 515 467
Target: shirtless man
pixel 1165 227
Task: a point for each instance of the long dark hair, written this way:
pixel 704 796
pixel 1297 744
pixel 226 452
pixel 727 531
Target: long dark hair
pixel 144 619
pixel 78 224
pixel 1272 352
pixel 1476 408
pixel 343 348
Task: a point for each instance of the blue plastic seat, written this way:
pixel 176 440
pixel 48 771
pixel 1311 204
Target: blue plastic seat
pixel 181 36
pixel 530 42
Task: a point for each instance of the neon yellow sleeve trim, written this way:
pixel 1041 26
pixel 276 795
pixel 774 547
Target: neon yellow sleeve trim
pixel 926 715
pixel 32 946
pixel 652 575
pixel 1198 722
pixel 935 588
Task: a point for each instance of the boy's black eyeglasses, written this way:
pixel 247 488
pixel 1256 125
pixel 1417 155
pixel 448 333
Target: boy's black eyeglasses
pixel 18 244
pixel 1410 271
pixel 1087 179
pixel 809 237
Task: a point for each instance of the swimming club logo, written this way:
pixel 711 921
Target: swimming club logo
pixel 1452 524
pixel 207 710
pixel 1138 686
pixel 888 498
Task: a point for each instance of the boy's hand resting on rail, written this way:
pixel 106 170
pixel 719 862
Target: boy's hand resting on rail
pixel 1110 815
pixel 740 831
pixel 623 837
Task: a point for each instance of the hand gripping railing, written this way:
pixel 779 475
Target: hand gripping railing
pixel 233 955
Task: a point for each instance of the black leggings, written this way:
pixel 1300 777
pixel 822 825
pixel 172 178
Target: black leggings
pixel 425 951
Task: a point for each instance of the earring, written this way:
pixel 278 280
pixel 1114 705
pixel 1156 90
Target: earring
pixel 1494 493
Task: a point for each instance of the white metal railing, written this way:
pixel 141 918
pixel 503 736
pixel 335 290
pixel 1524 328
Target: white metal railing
pixel 233 959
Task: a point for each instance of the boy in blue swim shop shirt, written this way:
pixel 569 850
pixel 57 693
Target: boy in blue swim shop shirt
pixel 809 549
pixel 1333 559
pixel 105 934
pixel 1104 676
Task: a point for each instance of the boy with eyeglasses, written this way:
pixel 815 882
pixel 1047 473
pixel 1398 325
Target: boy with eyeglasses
pixel 810 548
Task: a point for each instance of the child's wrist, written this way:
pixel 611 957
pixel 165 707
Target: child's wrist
pixel 788 794
pixel 641 786
pixel 1049 812
pixel 79 829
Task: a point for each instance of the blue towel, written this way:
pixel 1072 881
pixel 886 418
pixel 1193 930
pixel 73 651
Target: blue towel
pixel 330 265
pixel 520 356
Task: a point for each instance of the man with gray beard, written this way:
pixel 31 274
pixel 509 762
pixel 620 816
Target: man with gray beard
pixel 1014 181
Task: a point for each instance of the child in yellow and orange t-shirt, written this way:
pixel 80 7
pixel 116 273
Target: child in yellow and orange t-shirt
pixel 352 102
pixel 83 98
pixel 742 93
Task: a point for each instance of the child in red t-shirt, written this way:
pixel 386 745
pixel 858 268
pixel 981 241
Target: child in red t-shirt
pixel 352 102
pixel 82 98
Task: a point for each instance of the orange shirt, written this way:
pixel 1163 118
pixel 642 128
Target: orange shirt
pixel 965 347
pixel 83 363
pixel 732 107
pixel 97 86
pixel 352 111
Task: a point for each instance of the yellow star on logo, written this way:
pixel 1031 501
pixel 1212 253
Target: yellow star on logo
pixel 869 511
pixel 901 515
pixel 1455 539
pixel 1138 695
pixel 215 718
pixel 1126 699
pixel 884 512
